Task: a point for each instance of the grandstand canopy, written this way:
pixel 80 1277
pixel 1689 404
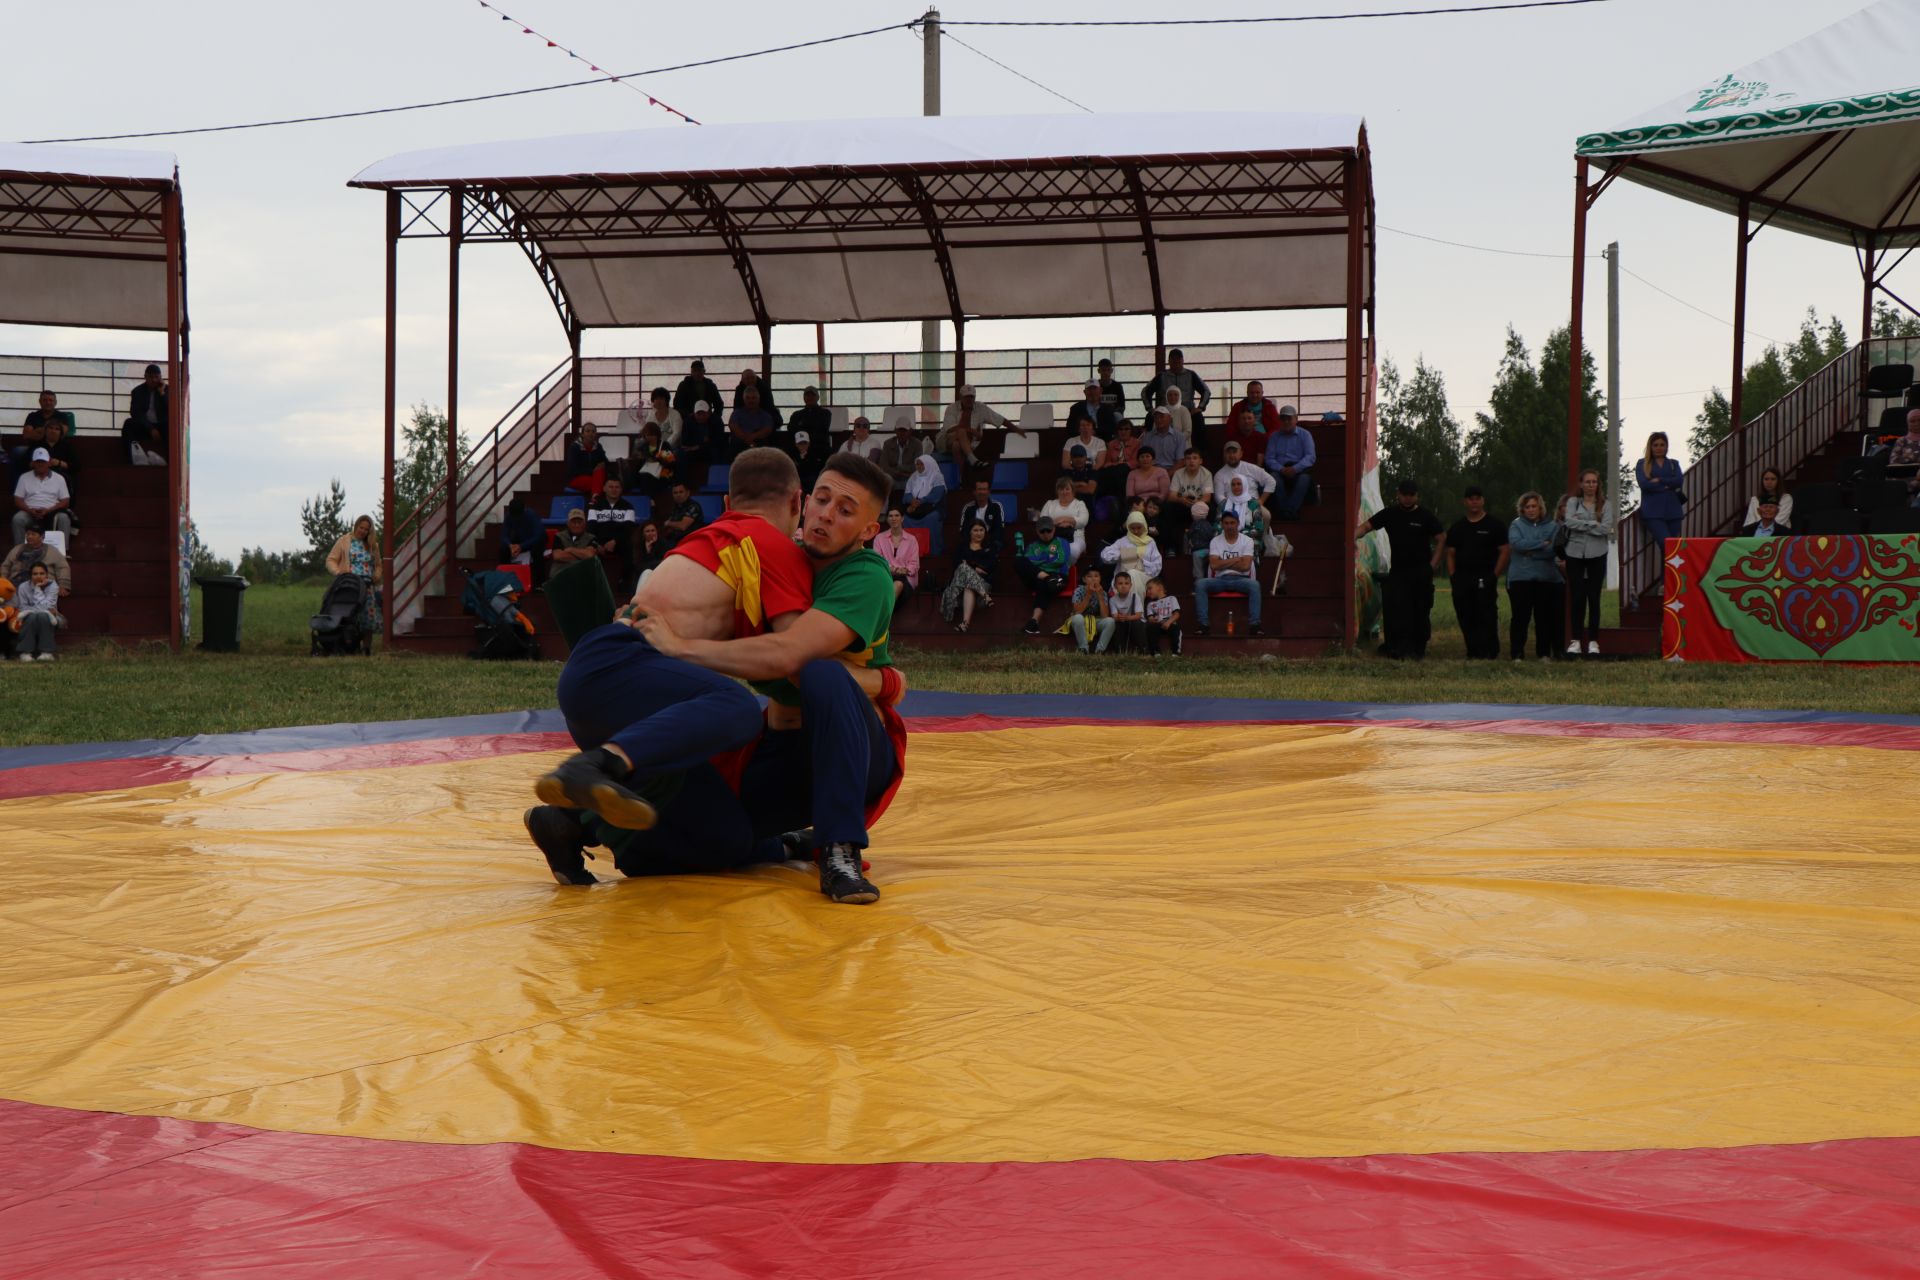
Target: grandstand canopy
pixel 914 218
pixel 84 236
pixel 1822 137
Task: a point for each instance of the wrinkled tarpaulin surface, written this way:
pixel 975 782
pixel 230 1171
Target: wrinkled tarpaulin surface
pixel 1249 989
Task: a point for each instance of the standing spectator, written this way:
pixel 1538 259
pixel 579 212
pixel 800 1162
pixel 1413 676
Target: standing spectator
pixel 1230 567
pixel 1091 617
pixel 61 457
pixel 926 490
pixel 862 441
pixel 1193 388
pixel 1533 583
pixel 812 417
pixel 972 581
pixel 1148 482
pixel 1251 418
pixel 1163 619
pixel 1289 460
pixel 1769 525
pixel 1770 487
pixel 1128 612
pixel 898 455
pixel 1068 516
pixel 1093 409
pixel 353 552
pixel 1043 569
pixel 699 442
pixel 33 549
pixel 985 510
pixel 901 551
pixel 1476 557
pixel 33 432
pixel 612 519
pixel 586 461
pixel 38 602
pixel 1179 419
pixel 963 429
pixel 1112 394
pixel 1134 551
pixel 694 389
pixel 1260 481
pixel 523 540
pixel 683 516
pixel 1411 532
pixel 574 543
pixel 751 424
pixel 762 391
pixel 41 497
pixel 1090 444
pixel 1190 484
pixel 145 429
pixel 808 459
pixel 662 414
pixel 1663 502
pixel 1167 444
pixel 1588 520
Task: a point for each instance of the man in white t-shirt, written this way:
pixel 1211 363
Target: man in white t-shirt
pixel 1229 568
pixel 41 497
pixel 1258 478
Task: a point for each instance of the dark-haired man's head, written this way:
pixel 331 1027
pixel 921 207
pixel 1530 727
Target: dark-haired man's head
pixel 1409 493
pixel 843 512
pixel 680 491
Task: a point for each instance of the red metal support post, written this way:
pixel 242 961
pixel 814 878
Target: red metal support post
pixel 386 490
pixel 1736 410
pixel 1354 426
pixel 1576 325
pixel 576 395
pixel 456 196
pixel 177 446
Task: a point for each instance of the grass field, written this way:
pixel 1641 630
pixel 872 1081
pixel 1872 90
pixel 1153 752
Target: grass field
pixel 91 697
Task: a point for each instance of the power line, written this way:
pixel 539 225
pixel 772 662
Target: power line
pixel 1689 306
pixel 1303 17
pixel 948 35
pixel 1482 248
pixel 479 97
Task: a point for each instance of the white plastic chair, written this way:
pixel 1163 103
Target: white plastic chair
pixel 897 415
pixel 838 419
pixel 1016 447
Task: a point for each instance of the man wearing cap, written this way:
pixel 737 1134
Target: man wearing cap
pixel 1290 460
pixel 694 387
pixel 1258 479
pixel 1477 553
pixel 811 417
pixel 862 441
pixel 898 455
pixel 573 543
pixel 699 440
pixel 1193 388
pixel 41 497
pixel 963 429
pixel 1043 569
pixel 1092 408
pixel 1413 539
pixel 808 456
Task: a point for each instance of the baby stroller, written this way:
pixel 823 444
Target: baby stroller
pixel 341 625
pixel 503 631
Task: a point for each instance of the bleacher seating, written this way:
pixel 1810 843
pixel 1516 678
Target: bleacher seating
pixel 1871 496
pixel 1010 475
pixel 838 419
pixel 716 481
pixel 561 506
pixel 713 504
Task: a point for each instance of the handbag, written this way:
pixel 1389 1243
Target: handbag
pixel 1560 537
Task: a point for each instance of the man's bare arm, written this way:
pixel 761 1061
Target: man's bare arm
pixel 765 657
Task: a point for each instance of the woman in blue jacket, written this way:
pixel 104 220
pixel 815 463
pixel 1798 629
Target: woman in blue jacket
pixel 1662 504
pixel 1533 579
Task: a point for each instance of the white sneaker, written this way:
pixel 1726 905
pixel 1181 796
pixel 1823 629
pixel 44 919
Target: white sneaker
pixel 46 657
pixel 1593 648
pixel 26 657
pixel 1573 649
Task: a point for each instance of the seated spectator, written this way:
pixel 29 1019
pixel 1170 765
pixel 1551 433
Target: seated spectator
pixel 1904 456
pixel 1194 393
pixel 898 455
pixel 984 509
pixel 523 540
pixel 145 428
pixel 1252 434
pixel 573 543
pixel 62 455
pixel 751 424
pixel 811 417
pixel 1089 444
pixel 1769 525
pixel 1068 515
pixel 663 415
pixel 649 465
pixel 1128 610
pixel 354 552
pixel 926 491
pixel 1179 418
pixel 1190 483
pixel 1162 619
pixel 683 516
pixel 1112 393
pixel 611 519
pixel 963 430
pixel 699 442
pixel 1248 507
pixel 808 458
pixel 1289 460
pixel 1090 618
pixel 38 616
pixel 862 441
pixel 901 551
pixel 33 432
pixel 1080 472
pixel 1093 409
pixel 586 461
pixel 694 389
pixel 1168 445
pixel 1260 482
pixel 1043 569
pixel 1199 536
pixel 1150 483
pixel 750 380
pixel 41 497
pixel 648 554
pixel 1770 487
pixel 1230 567
pixel 35 549
pixel 972 581
pixel 1134 551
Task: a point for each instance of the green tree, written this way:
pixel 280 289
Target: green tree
pixel 1711 424
pixel 1890 321
pixel 323 521
pixel 1767 380
pixel 1519 444
pixel 205 563
pixel 1420 439
pixel 422 468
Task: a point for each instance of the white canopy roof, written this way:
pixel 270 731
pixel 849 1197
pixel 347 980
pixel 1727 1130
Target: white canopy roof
pixel 1824 135
pixel 82 236
pixel 915 217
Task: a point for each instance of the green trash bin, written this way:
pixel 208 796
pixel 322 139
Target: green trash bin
pixel 222 604
pixel 581 599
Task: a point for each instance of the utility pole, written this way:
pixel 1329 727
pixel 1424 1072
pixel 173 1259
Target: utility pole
pixel 931 382
pixel 1612 256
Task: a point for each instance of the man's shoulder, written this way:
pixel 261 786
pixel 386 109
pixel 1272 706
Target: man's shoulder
pixel 863 567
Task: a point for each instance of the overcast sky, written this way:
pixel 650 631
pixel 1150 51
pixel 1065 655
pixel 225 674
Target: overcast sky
pixel 1472 120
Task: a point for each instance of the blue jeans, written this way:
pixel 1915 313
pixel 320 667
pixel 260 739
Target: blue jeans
pixel 1289 493
pixel 1203 595
pixel 1658 531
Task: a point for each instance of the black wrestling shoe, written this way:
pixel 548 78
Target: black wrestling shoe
pixel 560 837
pixel 799 845
pixel 840 877
pixel 591 780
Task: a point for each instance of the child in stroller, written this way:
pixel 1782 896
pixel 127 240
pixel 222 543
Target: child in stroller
pixel 341 625
pixel 493 596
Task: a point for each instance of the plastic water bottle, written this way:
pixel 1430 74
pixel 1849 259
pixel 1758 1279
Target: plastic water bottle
pixel 1229 624
pixel 1019 544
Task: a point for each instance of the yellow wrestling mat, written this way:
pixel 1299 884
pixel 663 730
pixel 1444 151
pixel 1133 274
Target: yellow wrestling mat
pixel 1095 940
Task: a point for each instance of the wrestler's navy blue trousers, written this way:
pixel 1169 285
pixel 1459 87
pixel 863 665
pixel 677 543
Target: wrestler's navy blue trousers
pixel 666 714
pixel 826 773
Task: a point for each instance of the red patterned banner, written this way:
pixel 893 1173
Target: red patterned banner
pixel 1808 599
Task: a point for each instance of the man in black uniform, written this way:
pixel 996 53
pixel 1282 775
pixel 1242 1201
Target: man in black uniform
pixel 1476 557
pixel 1411 531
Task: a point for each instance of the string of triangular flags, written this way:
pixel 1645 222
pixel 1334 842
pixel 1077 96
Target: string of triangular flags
pixel 526 30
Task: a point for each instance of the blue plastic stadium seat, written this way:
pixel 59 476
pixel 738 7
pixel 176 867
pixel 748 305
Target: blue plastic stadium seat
pixel 642 508
pixel 711 503
pixel 950 474
pixel 557 514
pixel 1009 503
pixel 716 478
pixel 1010 475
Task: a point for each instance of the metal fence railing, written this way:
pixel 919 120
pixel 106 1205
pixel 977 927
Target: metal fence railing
pixel 97 392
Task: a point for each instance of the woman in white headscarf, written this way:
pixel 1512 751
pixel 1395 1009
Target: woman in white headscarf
pixel 1136 552
pixel 1240 501
pixel 926 490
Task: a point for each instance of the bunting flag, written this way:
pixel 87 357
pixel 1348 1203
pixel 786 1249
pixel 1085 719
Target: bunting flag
pixel 590 65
